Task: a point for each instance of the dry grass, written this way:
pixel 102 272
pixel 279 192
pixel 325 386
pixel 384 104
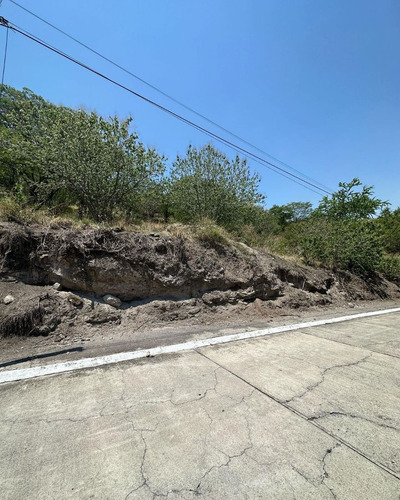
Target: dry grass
pixel 205 231
pixel 12 211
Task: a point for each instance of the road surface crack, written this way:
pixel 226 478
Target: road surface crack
pixel 201 395
pixel 295 469
pixel 325 473
pixel 350 415
pixel 312 387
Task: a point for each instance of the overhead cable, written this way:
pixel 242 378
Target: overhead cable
pixel 220 139
pixel 180 103
pixel 5 58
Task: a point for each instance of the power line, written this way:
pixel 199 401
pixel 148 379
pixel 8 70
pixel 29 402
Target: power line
pixel 283 175
pixel 237 148
pixel 232 134
pixel 224 141
pixel 5 58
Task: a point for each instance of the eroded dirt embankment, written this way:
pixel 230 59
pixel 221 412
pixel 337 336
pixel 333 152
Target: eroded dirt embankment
pixel 157 277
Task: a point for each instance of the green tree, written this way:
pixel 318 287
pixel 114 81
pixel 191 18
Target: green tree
pixel 341 233
pixel 388 226
pixel 292 212
pixel 347 203
pixel 100 162
pixel 207 184
pixel 53 153
pixel 23 131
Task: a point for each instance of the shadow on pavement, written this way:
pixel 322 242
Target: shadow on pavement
pixel 39 356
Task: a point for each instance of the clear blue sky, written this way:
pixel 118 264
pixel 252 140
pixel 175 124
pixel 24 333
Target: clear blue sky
pixel 315 83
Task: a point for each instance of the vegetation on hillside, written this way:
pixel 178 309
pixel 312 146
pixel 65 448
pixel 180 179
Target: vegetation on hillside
pixel 72 163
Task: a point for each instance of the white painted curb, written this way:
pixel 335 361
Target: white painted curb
pixel 38 371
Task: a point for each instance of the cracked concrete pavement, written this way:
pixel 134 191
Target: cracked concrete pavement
pixel 301 415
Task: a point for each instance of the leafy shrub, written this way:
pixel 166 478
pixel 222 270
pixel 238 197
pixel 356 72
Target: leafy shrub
pixel 12 210
pixel 207 184
pixel 390 267
pixel 57 154
pixel 9 208
pixel 352 245
pixel 388 226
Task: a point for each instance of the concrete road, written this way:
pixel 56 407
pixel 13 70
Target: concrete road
pixel 309 414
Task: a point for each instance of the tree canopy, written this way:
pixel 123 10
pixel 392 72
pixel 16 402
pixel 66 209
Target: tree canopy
pixel 53 153
pixel 292 212
pixel 348 203
pixel 207 184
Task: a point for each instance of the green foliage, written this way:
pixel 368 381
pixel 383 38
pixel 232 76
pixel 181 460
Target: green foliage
pixel 9 167
pixel 9 208
pixel 151 203
pixel 58 154
pixel 349 244
pixel 347 203
pixel 256 227
pixel 341 233
pixel 388 226
pixel 13 210
pixel 206 184
pixel 23 128
pixel 390 267
pixel 291 213
pixel 55 160
pixel 261 220
pixel 101 163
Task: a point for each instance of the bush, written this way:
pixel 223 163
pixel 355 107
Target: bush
pixel 390 267
pixel 59 155
pixel 351 245
pixel 9 208
pixel 13 210
pixel 207 184
pixel 388 226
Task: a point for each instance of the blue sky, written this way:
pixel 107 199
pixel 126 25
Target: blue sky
pixel 314 83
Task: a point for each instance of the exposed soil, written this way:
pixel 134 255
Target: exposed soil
pixel 160 279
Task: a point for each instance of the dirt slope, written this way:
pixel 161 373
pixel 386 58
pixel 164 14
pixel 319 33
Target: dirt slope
pixel 159 278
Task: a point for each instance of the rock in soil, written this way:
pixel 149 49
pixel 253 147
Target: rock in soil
pixel 8 299
pixel 113 301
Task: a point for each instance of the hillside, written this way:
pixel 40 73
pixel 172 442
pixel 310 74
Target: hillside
pixel 59 276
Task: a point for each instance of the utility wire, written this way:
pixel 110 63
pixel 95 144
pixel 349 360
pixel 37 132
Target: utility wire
pixel 237 148
pixel 232 134
pixel 224 141
pixel 5 59
pixel 277 172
